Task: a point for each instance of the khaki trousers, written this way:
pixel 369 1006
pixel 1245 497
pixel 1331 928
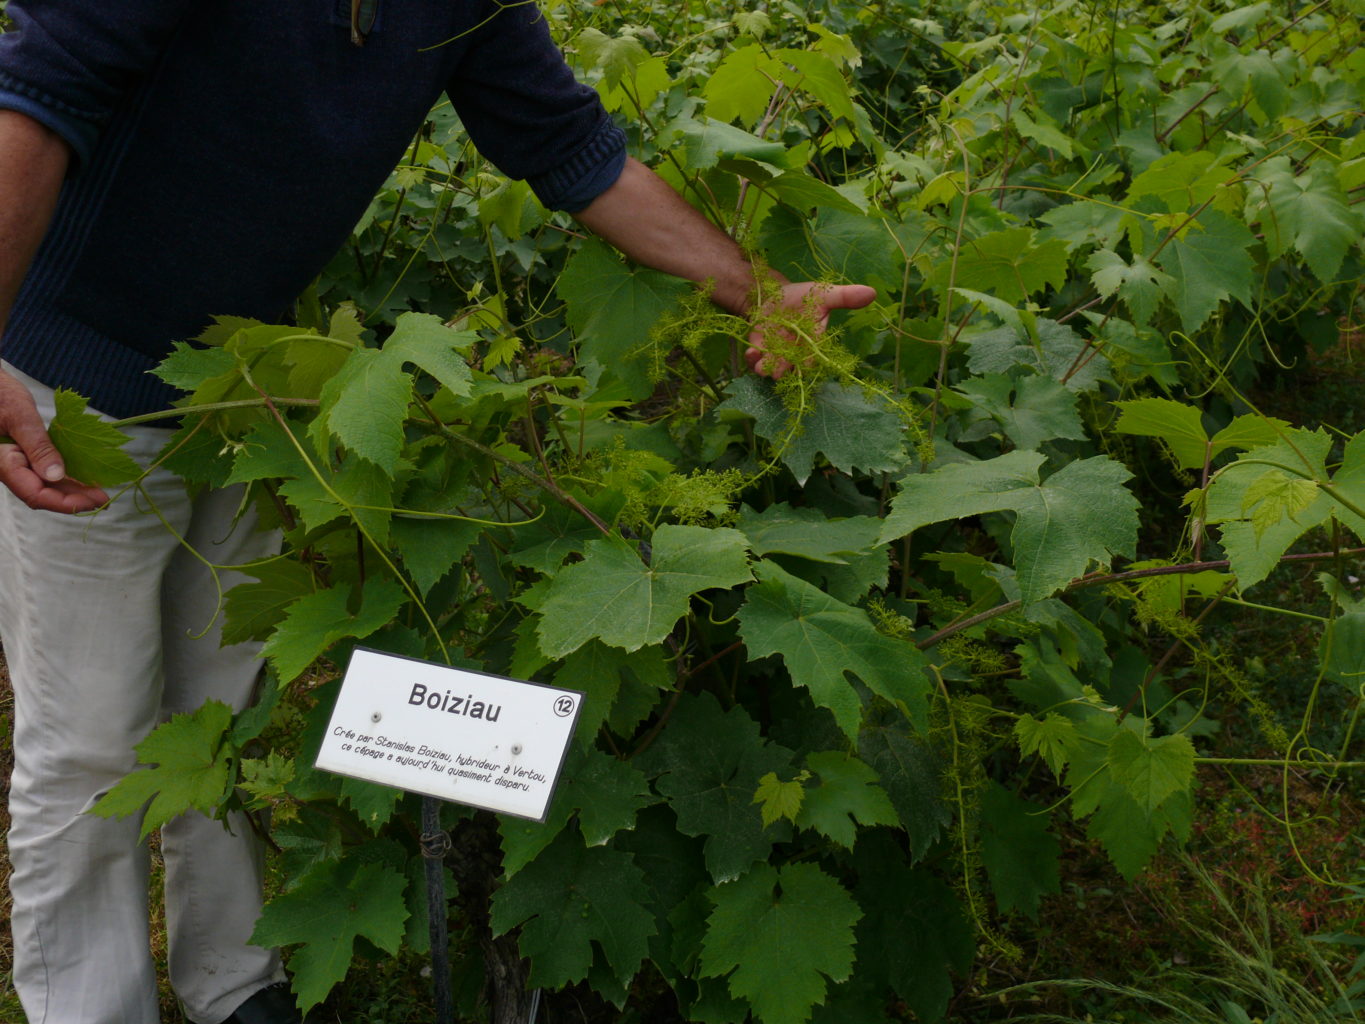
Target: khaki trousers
pixel 110 626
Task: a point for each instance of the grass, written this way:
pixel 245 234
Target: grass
pixel 1258 968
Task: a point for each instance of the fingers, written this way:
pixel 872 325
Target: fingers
pixel 819 299
pixel 846 296
pixel 30 465
pixel 765 364
pixel 60 496
pixel 32 439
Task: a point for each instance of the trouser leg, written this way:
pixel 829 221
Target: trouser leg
pixel 81 615
pixel 213 875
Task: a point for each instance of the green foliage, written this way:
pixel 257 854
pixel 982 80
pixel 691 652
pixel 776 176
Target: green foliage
pixel 89 446
pixel 188 765
pixel 866 649
pixel 329 908
pixel 795 923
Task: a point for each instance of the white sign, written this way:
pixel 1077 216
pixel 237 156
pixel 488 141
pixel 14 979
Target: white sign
pixel 462 736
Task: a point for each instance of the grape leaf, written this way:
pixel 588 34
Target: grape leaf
pixel 332 906
pixel 251 610
pixel 191 767
pixel 847 793
pixel 835 244
pixel 1129 831
pixel 431 547
pixel 794 923
pixel 911 773
pixel 820 639
pixel 1151 770
pixel 1129 835
pixel 1006 263
pixel 364 405
pixel 1181 426
pixel 90 447
pixel 807 533
pixel 1310 212
pixel 1140 284
pixel 373 804
pixel 778 799
pixel 813 72
pixel 570 898
pixel 709 763
pixel 613 595
pixel 612 309
pixel 315 622
pixel 1209 265
pixel 913 932
pixel 1041 410
pixel 605 792
pixel 616 56
pixel 1342 649
pixel 1079 515
pixel 600 672
pixel 1057 352
pixel 188 367
pixel 1018 852
pixel 844 425
pixel 1180 180
pixel 1053 739
pixel 1253 554
pixel 741 85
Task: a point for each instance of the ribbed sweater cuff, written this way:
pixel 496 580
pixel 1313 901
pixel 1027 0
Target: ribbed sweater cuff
pixel 586 173
pixel 77 128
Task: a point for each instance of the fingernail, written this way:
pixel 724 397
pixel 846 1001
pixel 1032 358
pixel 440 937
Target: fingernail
pixel 53 473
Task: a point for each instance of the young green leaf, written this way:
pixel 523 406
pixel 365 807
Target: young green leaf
pixel 1151 770
pixel 189 761
pixel 1053 739
pixel 778 799
pixel 846 796
pixel 89 446
pixel 315 622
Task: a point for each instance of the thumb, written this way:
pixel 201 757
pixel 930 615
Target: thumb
pixel 38 448
pixel 847 296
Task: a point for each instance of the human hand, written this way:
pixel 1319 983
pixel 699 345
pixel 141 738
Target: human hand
pixel 812 297
pixel 29 464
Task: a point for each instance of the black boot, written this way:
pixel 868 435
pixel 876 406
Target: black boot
pixel 273 1004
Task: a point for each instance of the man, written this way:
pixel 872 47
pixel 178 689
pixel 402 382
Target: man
pixel 162 161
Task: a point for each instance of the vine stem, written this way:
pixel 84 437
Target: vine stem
pixel 1278 762
pixel 263 402
pixel 1118 577
pixel 548 486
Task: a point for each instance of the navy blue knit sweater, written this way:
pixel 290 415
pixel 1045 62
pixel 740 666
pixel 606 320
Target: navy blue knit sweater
pixel 225 148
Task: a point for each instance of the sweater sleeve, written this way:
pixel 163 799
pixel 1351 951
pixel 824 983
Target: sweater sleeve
pixel 526 113
pixel 66 63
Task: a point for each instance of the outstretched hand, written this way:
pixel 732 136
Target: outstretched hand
pixel 812 297
pixel 29 464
